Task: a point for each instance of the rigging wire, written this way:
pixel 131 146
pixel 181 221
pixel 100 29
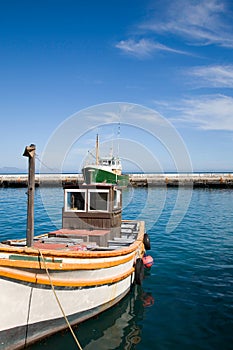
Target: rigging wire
pixel 42 163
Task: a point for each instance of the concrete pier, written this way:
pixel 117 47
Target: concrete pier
pixel 195 180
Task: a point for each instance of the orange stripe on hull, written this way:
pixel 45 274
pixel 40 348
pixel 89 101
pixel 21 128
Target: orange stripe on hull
pixel 59 282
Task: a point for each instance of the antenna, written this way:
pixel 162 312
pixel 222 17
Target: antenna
pixel 118 136
pixel 97 149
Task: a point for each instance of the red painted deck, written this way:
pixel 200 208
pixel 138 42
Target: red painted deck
pixel 53 246
pixel 73 240
pixel 68 233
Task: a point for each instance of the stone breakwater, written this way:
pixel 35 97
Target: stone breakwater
pixel 195 180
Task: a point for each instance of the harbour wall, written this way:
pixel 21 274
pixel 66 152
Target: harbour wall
pixel 195 180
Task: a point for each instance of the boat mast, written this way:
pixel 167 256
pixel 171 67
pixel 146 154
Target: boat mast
pixel 97 149
pixel 30 152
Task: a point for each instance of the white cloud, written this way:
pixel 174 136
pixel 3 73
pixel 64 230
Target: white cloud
pixel 211 112
pixel 144 47
pixel 214 76
pixel 200 22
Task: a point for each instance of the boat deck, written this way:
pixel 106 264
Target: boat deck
pixel 82 239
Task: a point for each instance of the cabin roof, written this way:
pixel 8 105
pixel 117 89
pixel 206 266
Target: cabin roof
pixel 96 185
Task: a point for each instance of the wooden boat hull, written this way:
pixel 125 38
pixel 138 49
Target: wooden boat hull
pixel 42 317
pixel 85 282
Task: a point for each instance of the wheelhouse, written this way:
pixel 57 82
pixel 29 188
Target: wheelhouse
pixel 92 206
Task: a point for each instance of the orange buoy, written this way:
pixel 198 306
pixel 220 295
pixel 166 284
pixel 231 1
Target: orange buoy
pixel 147 261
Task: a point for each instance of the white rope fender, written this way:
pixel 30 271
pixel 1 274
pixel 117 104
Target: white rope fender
pixel 59 303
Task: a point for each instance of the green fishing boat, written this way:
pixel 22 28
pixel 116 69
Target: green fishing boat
pixel 105 170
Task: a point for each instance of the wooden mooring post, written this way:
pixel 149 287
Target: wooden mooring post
pixel 30 153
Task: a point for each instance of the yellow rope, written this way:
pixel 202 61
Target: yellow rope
pixel 59 304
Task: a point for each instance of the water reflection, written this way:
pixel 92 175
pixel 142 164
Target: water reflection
pixel 117 328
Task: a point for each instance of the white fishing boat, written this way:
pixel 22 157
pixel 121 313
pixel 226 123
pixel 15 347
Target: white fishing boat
pixel 55 280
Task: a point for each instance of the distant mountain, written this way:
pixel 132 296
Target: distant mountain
pixel 11 170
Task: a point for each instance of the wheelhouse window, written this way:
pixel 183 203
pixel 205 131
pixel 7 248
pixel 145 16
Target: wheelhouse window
pixel 98 200
pixel 75 200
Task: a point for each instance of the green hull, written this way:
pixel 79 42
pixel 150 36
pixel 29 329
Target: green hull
pixel 92 174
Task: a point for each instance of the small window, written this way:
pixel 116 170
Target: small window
pixel 98 200
pixel 75 200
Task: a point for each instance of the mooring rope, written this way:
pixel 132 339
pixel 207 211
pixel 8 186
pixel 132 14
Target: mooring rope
pixel 59 303
pixel 42 163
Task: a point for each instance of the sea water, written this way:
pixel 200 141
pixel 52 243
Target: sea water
pixel 186 301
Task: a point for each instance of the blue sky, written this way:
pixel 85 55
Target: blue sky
pixel 172 57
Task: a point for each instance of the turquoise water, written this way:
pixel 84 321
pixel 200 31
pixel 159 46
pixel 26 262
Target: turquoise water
pixel 186 301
